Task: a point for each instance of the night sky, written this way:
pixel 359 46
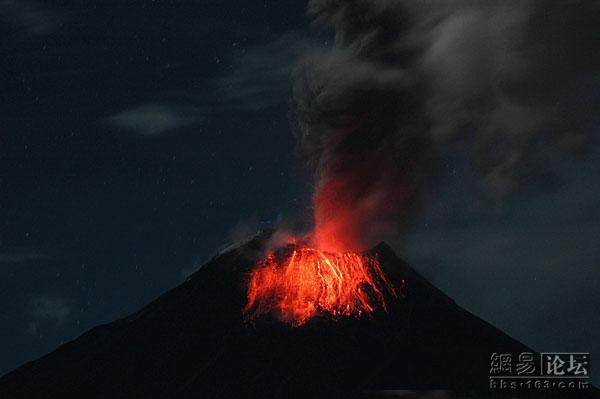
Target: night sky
pixel 137 139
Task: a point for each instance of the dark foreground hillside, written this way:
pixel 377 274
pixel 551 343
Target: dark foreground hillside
pixel 193 342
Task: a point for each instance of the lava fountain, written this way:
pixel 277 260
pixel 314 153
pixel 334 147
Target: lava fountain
pixel 305 282
pixel 357 200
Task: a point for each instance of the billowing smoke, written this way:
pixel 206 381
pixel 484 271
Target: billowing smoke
pixel 406 79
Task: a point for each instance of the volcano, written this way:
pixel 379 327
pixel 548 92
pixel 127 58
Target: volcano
pixel 301 282
pixel 213 336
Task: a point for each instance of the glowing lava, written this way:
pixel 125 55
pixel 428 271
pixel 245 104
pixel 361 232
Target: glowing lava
pixel 310 282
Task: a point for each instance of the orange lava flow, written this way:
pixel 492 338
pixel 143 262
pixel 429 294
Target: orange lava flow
pixel 310 282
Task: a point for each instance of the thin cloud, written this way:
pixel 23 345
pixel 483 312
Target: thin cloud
pixel 21 255
pixel 47 310
pixel 262 76
pixel 155 119
pixel 29 20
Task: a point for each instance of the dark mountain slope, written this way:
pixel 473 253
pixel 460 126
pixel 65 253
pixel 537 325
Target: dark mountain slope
pixel 192 342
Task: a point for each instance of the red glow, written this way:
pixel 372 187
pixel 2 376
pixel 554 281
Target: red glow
pixel 340 214
pixel 355 209
pixel 310 282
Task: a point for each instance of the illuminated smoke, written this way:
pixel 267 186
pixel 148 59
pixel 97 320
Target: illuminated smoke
pixel 404 80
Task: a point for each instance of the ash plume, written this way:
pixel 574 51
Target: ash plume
pixel 405 80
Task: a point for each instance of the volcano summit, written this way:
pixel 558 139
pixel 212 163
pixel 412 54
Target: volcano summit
pixel 387 329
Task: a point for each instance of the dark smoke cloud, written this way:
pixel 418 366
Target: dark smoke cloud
pixel 404 80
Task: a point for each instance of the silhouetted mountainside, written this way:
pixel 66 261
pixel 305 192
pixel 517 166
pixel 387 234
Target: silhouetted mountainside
pixel 193 342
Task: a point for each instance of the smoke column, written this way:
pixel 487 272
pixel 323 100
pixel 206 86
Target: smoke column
pixel 406 79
